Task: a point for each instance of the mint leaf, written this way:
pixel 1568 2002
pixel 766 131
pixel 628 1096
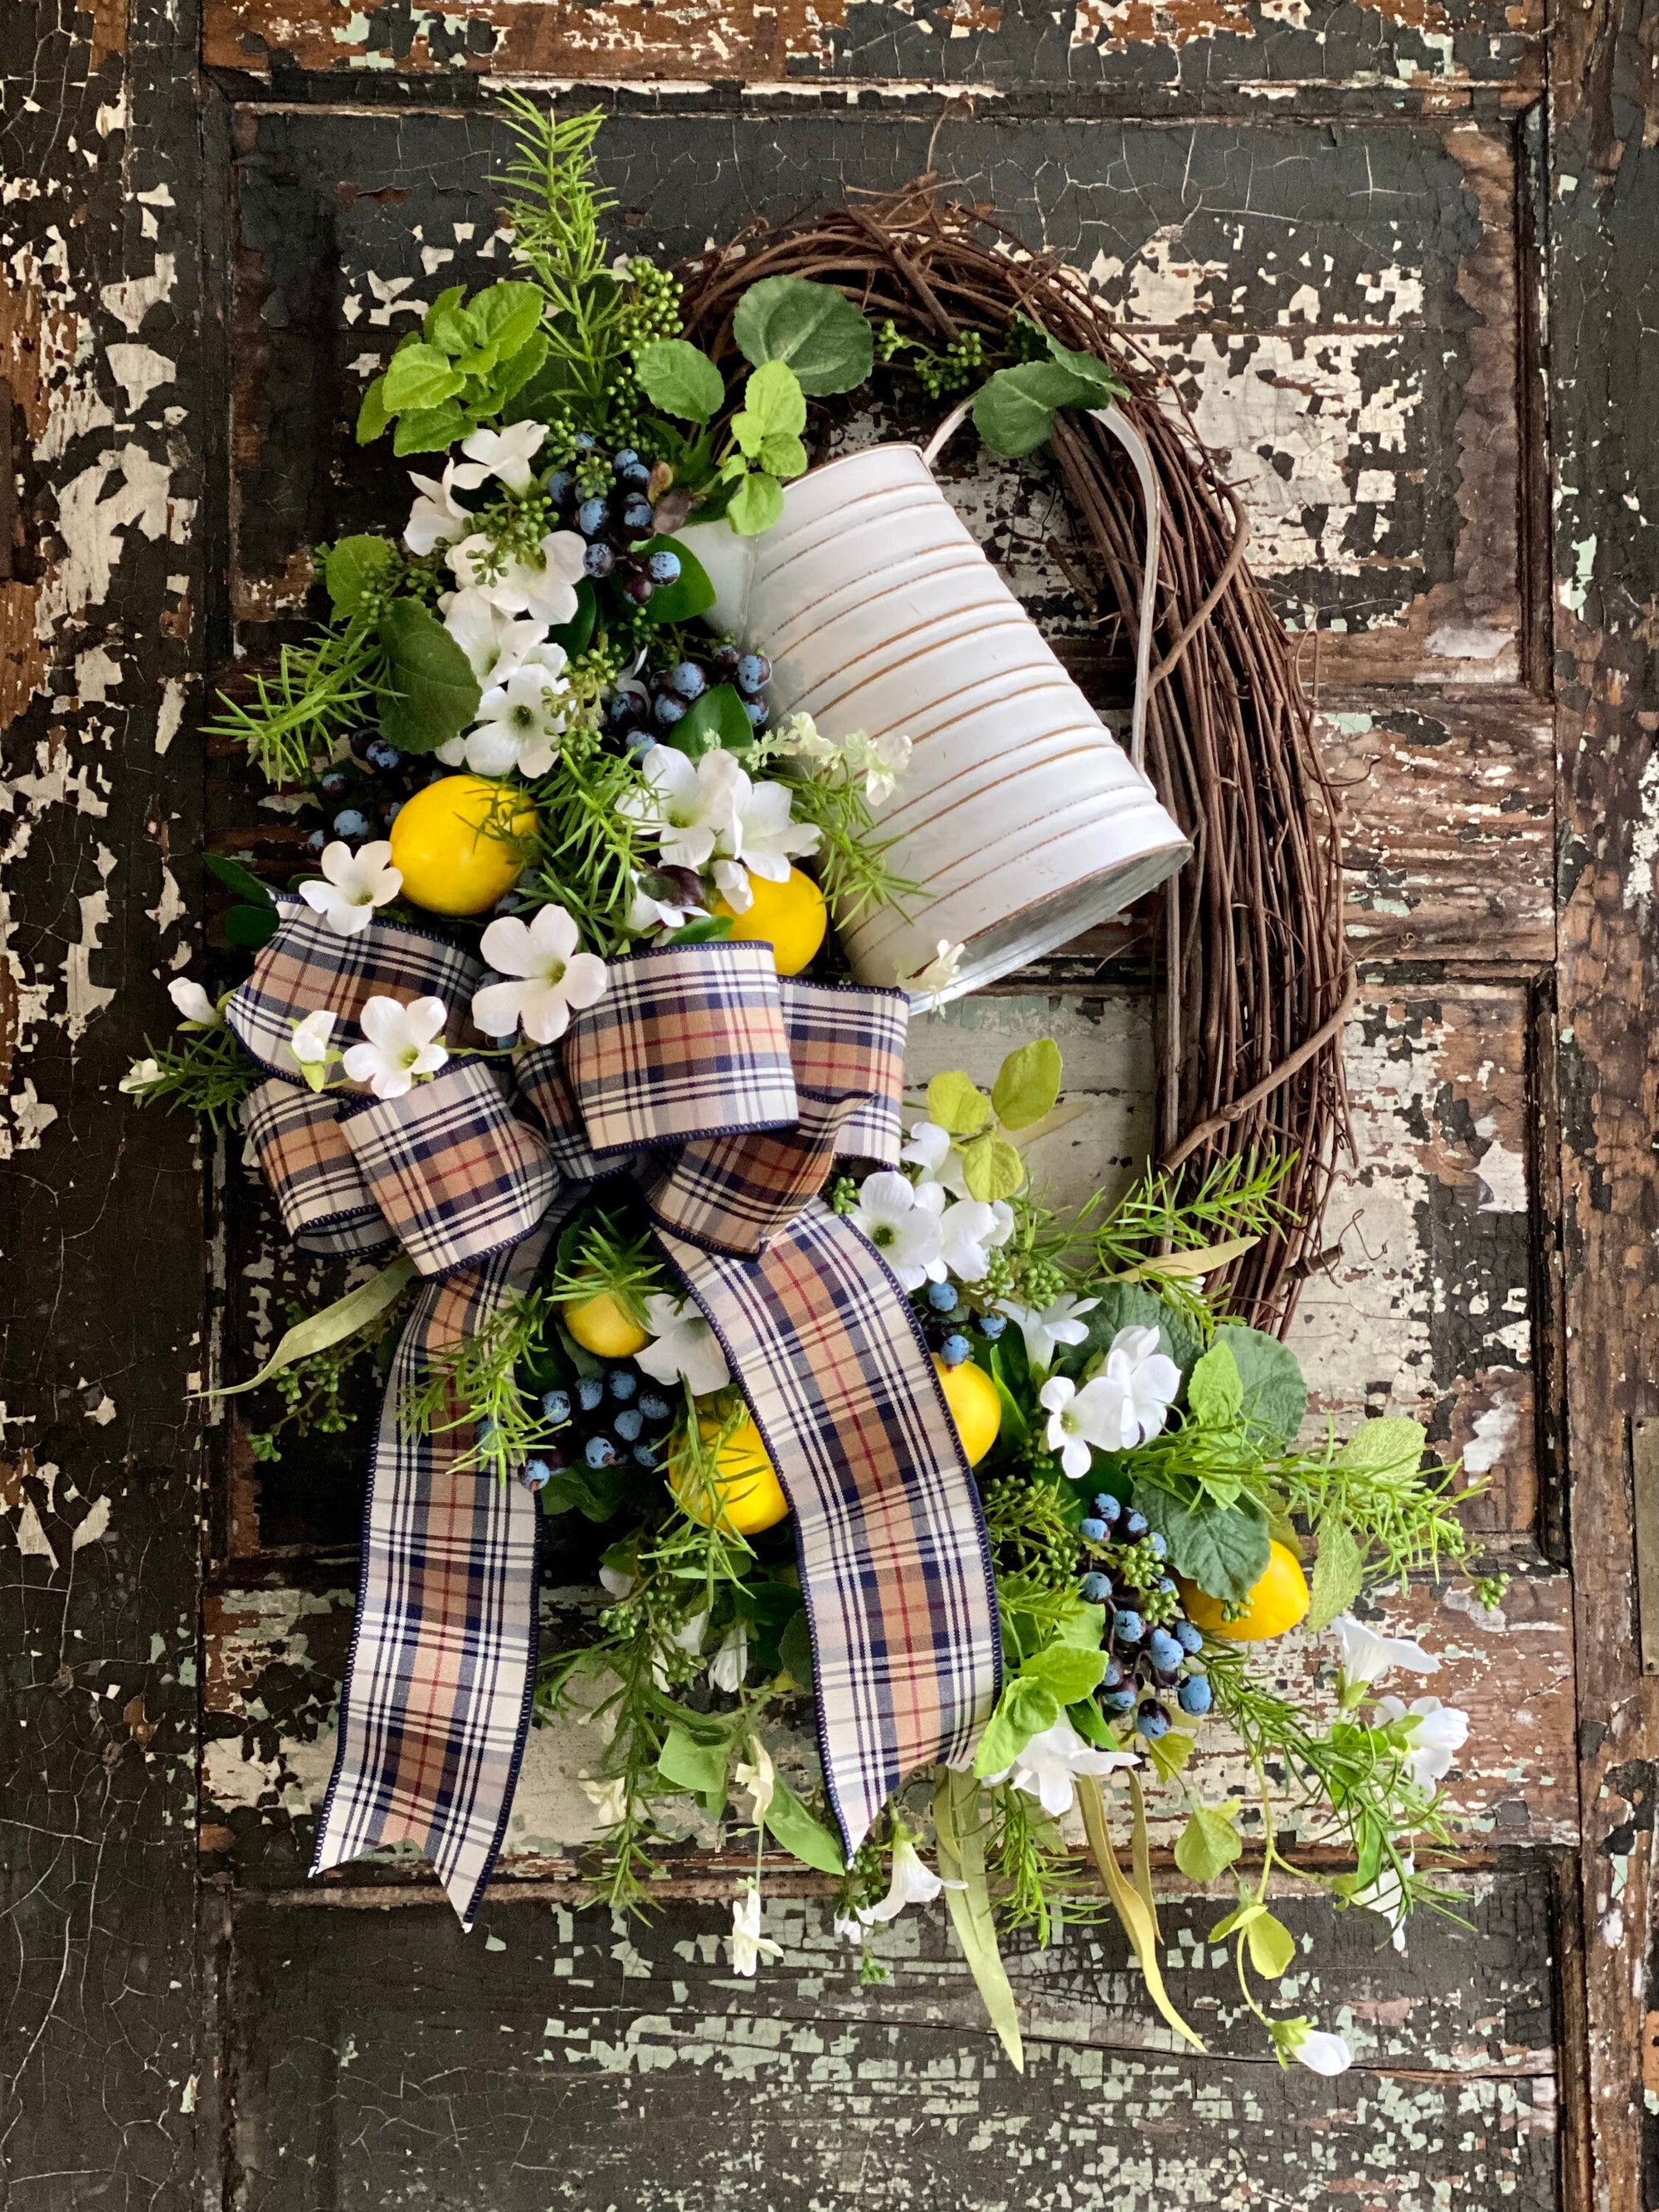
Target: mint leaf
pixel 506 316
pixel 420 375
pixel 372 415
pixel 430 693
pixel 680 379
pixel 1065 1671
pixel 992 1169
pixel 773 402
pixel 1391 1446
pixel 1027 1084
pixel 1339 1573
pixel 1025 1708
pixel 957 1104
pixel 789 1823
pixel 783 454
pixel 827 342
pixel 1209 1843
pixel 1015 410
pixel 1275 1397
pixel 1224 1550
pixel 1215 1393
pixel 756 504
pixel 430 429
pixel 353 563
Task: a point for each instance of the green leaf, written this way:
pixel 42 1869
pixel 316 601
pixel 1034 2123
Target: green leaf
pixel 1271 1945
pixel 252 927
pixel 1275 1399
pixel 992 1168
pixel 372 415
pixel 1089 1723
pixel 774 403
pixel 795 1651
pixel 236 877
pixel 783 455
pixel 1081 1627
pixel 353 563
pixel 1087 369
pixel 1065 1672
pixel 714 721
pixel 1391 1446
pixel 1170 1754
pixel 1215 1393
pixel 318 1331
pixel 430 429
pixel 550 381
pixel 420 375
pixel 1210 1842
pixel 430 694
pixel 957 1104
pixel 1015 410
pixel 691 594
pixel 1223 1550
pixel 507 317
pixel 1027 1084
pixel 1339 1573
pixel 1016 1430
pixel 1024 1710
pixel 514 373
pixel 817 329
pixel 596 1493
pixel 680 379
pixel 698 1767
pixel 709 931
pixel 959 1829
pixel 756 504
pixel 447 325
pixel 789 1823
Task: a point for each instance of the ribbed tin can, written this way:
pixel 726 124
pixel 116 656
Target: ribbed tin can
pixel 1021 817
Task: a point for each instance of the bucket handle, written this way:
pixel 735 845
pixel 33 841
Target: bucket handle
pixel 1134 445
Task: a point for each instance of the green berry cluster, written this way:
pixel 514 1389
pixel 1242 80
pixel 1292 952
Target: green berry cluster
pixel 843 1195
pixel 1044 1283
pixel 652 309
pixel 998 1281
pixel 1029 1533
pixel 962 363
pixel 1026 340
pixel 1140 1566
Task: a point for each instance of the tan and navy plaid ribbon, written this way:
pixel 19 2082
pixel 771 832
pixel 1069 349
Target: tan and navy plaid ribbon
pixel 728 1095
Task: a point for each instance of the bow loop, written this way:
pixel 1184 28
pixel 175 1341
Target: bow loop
pixel 325 1204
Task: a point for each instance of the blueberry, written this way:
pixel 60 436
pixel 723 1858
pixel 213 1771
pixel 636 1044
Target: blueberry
pixel 1165 1583
pixel 598 561
pixel 663 567
pixel 1096 1589
pixel 1092 1531
pixel 590 1393
pixel 625 457
pixel 1113 1678
pixel 1151 1721
pixel 1128 1628
pixel 389 814
pixel 1196 1694
pixel 584 441
pixel 1135 1525
pixel 637 515
pixel 669 710
pixel 655 1406
pixel 753 671
pixel 955 1349
pixel 334 783
pixel 1106 1506
pixel 351 822
pixel 629 1423
pixel 624 1384
pixel 688 679
pixel 639 743
pixel 992 1325
pixel 556 1407
pixel 316 841
pixel 639 587
pixel 382 756
pixel 1160 1547
pixel 1164 1651
pixel 942 1297
pixel 757 710
pixel 645 1452
pixel 599 1451
pixel 1119 1701
pixel 590 516
pixel 1189 1636
pixel 635 477
pixel 535 1474
pixel 558 486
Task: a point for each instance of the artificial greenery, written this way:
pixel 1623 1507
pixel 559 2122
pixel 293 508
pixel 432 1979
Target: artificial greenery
pixel 206 1072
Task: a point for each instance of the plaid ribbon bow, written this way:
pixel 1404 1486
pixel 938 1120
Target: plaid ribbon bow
pixel 728 1094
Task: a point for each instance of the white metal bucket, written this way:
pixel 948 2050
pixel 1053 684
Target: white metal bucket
pixel 1021 817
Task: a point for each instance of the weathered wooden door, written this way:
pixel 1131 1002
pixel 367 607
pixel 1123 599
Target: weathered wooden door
pixel 1402 261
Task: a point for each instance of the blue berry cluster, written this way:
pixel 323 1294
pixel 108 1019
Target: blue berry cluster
pixel 946 1321
pixel 616 521
pixel 1152 1647
pixel 644 710
pixel 363 791
pixel 603 1421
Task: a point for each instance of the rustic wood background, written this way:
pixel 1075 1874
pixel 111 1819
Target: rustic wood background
pixel 1403 262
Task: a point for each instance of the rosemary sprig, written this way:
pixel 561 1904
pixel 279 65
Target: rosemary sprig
pixel 474 1384
pixel 208 1073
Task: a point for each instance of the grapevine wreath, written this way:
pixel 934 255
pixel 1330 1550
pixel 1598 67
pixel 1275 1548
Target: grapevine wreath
pixel 580 1048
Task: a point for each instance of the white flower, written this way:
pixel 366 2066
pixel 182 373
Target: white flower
pixel 729 1667
pixel 1148 1379
pixel 759 838
pixel 199 1012
pixel 1047 1767
pixel 550 976
pixel 608 1798
pixel 880 761
pixel 797 737
pixel 1440 1734
pixel 689 1634
pixel 1045 1326
pixel 494 644
pixel 756 1775
pixel 543 589
pixel 905 1234
pixel 684 1346
pixel 311 1047
pixel 688 803
pixel 617 1580
pixel 505 454
pixel 934 976
pixel 140 1076
pixel 1081 1419
pixel 1366 1656
pixel 354 884
pixel 519 723
pixel 912 1883
pixel 850 1929
pixel 401 1044
pixel 969 1232
pixel 1387 1895
pixel 1311 2047
pixel 930 1148
pixel 749 1945
pixel 437 517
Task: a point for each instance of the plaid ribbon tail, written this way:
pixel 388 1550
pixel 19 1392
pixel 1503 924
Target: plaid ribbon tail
pixel 894 1565
pixel 436 1704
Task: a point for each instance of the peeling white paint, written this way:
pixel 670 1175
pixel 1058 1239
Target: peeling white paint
pixel 132 298
pixel 95 1525
pixel 139 370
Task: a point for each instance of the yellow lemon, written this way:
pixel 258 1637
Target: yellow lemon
pixel 1276 1603
pixel 604 1326
pixel 790 916
pixel 975 1405
pixel 751 1496
pixel 449 863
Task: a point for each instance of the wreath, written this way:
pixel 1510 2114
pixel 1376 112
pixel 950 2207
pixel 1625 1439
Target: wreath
pixel 584 1019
